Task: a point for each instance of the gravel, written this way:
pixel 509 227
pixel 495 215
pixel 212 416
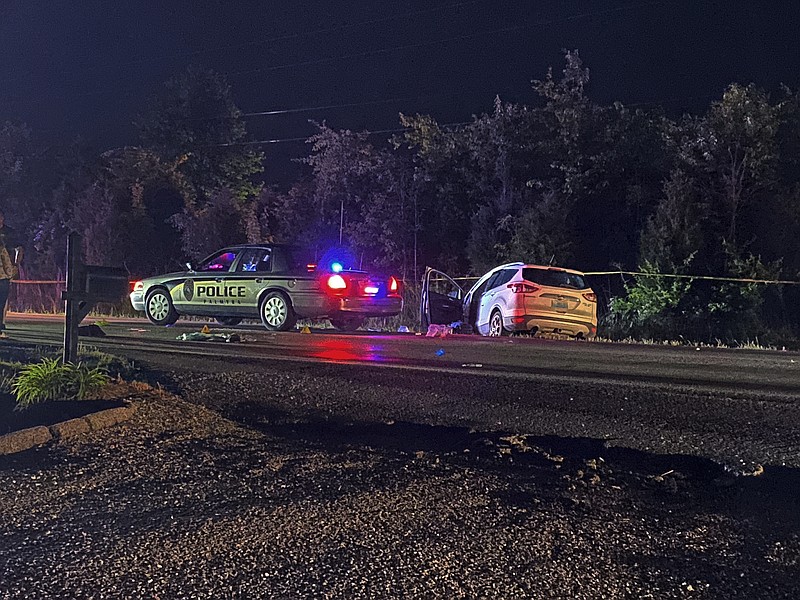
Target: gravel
pixel 281 485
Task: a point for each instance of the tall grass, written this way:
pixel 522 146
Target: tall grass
pixel 45 298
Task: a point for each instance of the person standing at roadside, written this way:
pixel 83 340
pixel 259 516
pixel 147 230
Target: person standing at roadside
pixel 13 250
pixel 8 271
pixel 10 239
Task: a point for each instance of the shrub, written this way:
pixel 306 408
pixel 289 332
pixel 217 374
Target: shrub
pixel 652 308
pixel 51 379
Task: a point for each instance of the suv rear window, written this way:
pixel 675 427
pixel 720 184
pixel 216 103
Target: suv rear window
pixel 554 278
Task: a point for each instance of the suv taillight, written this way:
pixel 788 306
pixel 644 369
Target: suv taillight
pixel 521 287
pixel 590 296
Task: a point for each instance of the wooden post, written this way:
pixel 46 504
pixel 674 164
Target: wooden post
pixel 73 286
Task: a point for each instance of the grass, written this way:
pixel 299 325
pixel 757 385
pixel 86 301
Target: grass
pixel 37 374
pixel 745 345
pixel 50 379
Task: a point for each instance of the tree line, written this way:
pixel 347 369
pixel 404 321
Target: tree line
pixel 563 181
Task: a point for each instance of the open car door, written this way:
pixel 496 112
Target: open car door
pixel 441 299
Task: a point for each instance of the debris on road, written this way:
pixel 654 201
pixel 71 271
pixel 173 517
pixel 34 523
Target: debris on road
pixel 472 365
pixel 199 336
pixel 438 330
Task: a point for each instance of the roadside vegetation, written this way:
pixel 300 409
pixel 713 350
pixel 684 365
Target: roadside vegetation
pixel 562 180
pixel 36 375
pixel 51 379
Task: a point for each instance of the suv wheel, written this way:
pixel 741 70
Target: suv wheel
pixel 496 328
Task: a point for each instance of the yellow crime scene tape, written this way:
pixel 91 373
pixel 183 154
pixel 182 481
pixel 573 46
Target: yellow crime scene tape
pixel 665 275
pixel 701 277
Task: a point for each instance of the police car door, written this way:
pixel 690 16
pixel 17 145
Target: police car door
pixel 251 275
pixel 206 291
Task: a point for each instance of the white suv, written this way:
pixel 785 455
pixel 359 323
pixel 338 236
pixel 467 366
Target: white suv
pixel 516 297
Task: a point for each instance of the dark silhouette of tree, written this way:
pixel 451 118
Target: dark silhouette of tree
pixel 196 125
pixel 14 142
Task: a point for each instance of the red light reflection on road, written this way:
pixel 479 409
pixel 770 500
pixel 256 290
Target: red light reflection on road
pixel 341 350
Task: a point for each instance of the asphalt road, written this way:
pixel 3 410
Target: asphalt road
pixel 720 370
pixel 395 466
pixel 735 406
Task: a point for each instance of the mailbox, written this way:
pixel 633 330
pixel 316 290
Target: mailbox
pixel 86 285
pixel 106 284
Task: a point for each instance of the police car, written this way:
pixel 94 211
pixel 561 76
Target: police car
pixel 276 283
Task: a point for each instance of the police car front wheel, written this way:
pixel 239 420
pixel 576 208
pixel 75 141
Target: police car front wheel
pixel 159 308
pixel 276 312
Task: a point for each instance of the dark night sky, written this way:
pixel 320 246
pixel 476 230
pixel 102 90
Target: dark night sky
pixel 85 67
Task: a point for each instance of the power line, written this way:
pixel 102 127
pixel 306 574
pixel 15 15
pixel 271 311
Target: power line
pixel 291 36
pixel 380 51
pixel 377 52
pixel 286 111
pixel 304 139
pixel 309 33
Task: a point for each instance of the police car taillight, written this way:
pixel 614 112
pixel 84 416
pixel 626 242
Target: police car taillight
pixel 394 285
pixel 137 286
pixel 337 283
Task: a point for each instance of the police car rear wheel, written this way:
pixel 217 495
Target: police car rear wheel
pixel 276 312
pixel 228 321
pixel 159 308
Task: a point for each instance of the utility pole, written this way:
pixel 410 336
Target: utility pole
pixel 341 221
